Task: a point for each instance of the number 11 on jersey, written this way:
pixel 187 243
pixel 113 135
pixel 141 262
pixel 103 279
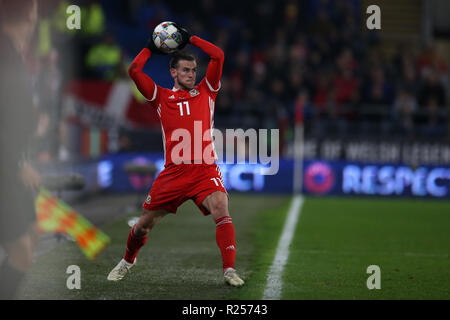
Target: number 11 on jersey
pixel 186 103
pixel 219 181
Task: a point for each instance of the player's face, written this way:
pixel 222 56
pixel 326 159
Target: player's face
pixel 185 74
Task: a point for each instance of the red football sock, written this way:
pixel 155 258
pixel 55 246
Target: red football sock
pixel 225 241
pixel 134 243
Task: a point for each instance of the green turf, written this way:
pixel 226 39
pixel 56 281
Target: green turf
pixel 180 260
pixel 337 239
pixel 265 235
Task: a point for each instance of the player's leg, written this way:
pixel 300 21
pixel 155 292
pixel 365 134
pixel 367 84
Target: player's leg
pixel 164 197
pixel 136 240
pixel 217 204
pixel 139 232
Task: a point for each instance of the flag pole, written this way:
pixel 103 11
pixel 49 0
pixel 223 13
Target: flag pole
pixel 298 150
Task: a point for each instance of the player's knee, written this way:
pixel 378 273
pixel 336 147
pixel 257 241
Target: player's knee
pixel 147 221
pixel 141 231
pixel 219 209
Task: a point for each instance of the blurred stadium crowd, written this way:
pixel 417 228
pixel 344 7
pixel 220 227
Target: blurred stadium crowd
pixel 280 56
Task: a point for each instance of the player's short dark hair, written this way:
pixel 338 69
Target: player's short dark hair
pixel 177 56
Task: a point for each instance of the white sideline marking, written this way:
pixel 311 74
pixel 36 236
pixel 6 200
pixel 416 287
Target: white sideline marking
pixel 274 282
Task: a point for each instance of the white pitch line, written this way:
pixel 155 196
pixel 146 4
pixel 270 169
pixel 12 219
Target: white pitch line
pixel 274 282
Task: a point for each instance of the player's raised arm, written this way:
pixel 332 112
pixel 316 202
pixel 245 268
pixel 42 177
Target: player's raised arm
pixel 143 82
pixel 214 71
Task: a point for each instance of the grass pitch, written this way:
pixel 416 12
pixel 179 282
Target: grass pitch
pixel 335 241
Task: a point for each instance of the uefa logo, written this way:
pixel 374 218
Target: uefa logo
pixel 319 178
pixel 140 179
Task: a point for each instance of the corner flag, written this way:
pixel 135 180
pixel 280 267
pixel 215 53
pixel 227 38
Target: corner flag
pixel 54 215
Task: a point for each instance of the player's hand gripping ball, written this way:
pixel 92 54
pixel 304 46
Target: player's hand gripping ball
pixel 167 37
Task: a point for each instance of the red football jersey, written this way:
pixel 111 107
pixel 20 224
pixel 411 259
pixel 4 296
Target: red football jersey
pixel 187 123
pixel 186 116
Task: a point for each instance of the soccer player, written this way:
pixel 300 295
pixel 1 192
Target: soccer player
pixel 189 172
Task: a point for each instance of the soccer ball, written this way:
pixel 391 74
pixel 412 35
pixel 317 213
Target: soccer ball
pixel 167 37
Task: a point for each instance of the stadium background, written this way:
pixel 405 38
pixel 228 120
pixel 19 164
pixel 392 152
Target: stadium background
pixel 374 106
